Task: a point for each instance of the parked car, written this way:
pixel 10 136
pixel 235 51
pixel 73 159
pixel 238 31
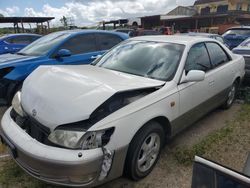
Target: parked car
pixel 86 125
pixel 143 32
pixel 60 48
pixel 208 174
pixel 125 30
pixel 236 35
pixel 208 35
pixel 244 49
pixel 12 43
pixel 166 30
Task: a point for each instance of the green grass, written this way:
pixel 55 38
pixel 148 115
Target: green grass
pixel 2 148
pixel 185 155
pixel 13 176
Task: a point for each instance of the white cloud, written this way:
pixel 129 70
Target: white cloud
pixel 10 11
pixel 89 12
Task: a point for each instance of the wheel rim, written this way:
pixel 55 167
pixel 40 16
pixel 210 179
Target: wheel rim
pixel 231 95
pixel 149 152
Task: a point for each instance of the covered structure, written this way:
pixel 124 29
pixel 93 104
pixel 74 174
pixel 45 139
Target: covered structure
pixel 206 23
pixel 42 23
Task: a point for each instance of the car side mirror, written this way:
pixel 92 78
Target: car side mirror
pixel 63 53
pixel 193 76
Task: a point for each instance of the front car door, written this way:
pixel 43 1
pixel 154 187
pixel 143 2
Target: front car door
pixel 194 95
pixel 83 50
pixel 207 174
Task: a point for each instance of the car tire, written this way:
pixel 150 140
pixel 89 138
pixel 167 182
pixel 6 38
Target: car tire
pixel 231 96
pixel 144 151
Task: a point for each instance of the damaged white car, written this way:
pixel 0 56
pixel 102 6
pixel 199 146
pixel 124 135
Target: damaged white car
pixel 85 125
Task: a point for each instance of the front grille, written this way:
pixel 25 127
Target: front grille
pixel 35 129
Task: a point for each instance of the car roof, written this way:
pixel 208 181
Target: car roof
pixel 82 31
pixel 240 27
pixel 202 34
pixel 20 34
pixel 123 29
pixel 178 39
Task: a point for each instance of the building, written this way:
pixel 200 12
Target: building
pixel 183 10
pixel 212 16
pixel 221 6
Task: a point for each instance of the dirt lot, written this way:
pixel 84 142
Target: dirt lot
pixel 221 136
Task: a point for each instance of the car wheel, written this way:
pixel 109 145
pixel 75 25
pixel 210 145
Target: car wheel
pixel 231 96
pixel 144 151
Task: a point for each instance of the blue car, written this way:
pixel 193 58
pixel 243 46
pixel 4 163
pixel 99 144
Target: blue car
pixel 72 47
pixel 236 35
pixel 12 43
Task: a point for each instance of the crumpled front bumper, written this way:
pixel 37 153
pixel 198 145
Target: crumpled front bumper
pixel 51 164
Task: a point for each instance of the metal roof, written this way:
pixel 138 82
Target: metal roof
pixel 25 19
pixel 198 2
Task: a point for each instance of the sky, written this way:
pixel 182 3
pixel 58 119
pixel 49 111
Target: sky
pixel 88 12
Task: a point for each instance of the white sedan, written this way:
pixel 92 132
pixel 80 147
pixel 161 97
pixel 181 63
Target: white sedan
pixel 85 125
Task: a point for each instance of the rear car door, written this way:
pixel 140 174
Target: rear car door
pixel 106 41
pixel 207 174
pixel 83 50
pixel 222 73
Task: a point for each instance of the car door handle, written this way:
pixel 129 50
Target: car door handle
pixel 94 56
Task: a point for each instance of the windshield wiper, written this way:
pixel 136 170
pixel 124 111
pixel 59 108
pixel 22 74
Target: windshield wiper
pixel 20 53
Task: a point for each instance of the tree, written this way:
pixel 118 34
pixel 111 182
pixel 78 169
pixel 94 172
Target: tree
pixel 64 21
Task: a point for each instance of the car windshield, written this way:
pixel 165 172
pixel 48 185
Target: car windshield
pixel 156 60
pixel 238 32
pixel 43 45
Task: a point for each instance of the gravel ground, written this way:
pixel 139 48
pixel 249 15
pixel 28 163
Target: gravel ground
pixel 168 172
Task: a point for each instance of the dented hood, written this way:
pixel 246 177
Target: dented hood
pixel 64 94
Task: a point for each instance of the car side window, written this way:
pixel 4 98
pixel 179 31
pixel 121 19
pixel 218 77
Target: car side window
pixel 107 41
pixel 18 40
pixel 198 58
pixel 220 39
pixel 33 38
pixel 80 44
pixel 217 54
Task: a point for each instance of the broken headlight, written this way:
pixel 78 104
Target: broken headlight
pixel 81 140
pixel 16 104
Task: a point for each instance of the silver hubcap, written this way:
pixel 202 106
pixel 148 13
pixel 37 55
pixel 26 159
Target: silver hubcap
pixel 149 152
pixel 231 95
